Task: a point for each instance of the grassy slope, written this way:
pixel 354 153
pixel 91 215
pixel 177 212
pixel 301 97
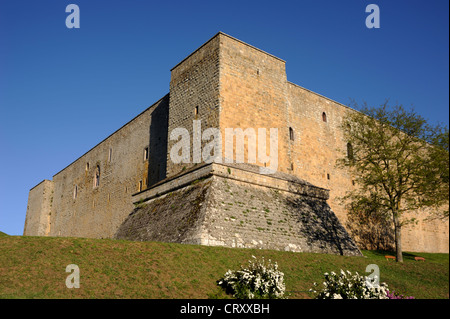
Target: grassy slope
pixel 34 267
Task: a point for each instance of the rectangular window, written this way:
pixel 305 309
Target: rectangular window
pixel 110 155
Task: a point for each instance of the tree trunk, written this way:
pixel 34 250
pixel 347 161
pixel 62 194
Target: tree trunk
pixel 398 238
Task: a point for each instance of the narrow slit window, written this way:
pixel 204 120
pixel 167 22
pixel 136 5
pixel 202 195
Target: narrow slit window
pixel 97 177
pixel 291 133
pixel 140 186
pixel 110 155
pixel 324 117
pixel 328 176
pixel 87 166
pixel 196 111
pixel 350 151
pixel 75 192
pixel 146 154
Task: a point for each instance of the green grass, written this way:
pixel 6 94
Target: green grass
pixel 34 267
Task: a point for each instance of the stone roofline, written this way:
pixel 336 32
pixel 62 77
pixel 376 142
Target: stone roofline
pixel 45 180
pixel 233 38
pixel 324 97
pixel 271 55
pixel 106 138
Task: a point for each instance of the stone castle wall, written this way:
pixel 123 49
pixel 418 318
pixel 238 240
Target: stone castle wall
pixel 77 207
pixel 226 83
pixel 40 200
pixel 194 95
pixel 255 93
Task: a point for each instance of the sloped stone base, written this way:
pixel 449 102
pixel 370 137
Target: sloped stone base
pixel 233 207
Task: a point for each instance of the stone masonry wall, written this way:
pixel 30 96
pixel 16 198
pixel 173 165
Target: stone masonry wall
pixel 194 95
pixel 235 207
pixel 40 200
pixel 255 93
pixel 81 209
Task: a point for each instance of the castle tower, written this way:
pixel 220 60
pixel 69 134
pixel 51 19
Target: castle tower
pixel 135 185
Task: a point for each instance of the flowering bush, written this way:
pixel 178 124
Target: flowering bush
pixel 257 280
pixel 348 286
pixel 394 295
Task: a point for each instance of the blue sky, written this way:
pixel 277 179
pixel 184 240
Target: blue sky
pixel 64 90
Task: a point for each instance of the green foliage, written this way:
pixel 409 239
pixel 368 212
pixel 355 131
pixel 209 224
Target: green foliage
pixel 398 157
pixel 400 163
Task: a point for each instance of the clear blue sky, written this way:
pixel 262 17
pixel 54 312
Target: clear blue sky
pixel 55 82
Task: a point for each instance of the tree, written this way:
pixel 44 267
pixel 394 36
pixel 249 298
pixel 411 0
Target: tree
pixel 369 226
pixel 400 163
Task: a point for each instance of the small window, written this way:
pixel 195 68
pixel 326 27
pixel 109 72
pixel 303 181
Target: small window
pixel 146 154
pixel 140 186
pixel 328 176
pixel 324 116
pixel 292 166
pixel 291 134
pixel 87 166
pixel 196 111
pixel 97 177
pixel 110 155
pixel 75 192
pixel 349 151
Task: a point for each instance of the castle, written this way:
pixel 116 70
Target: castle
pixel 129 186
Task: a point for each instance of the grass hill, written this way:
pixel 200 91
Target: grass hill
pixel 34 267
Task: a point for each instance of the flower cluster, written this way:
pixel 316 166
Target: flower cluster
pixel 394 295
pixel 257 280
pixel 348 286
